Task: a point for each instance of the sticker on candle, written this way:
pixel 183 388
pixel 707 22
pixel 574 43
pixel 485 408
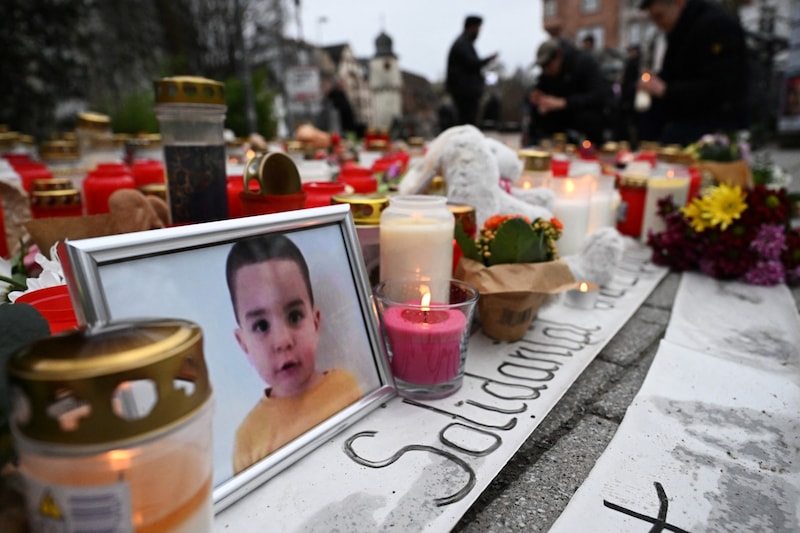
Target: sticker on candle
pixel 584 297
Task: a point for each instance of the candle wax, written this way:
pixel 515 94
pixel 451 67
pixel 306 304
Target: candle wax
pixel 657 189
pixel 574 214
pixel 425 345
pixel 420 249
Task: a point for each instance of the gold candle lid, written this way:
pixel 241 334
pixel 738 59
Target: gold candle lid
pixel 155 189
pixel 59 150
pixel 610 147
pixel 366 208
pixel 536 160
pixel 633 181
pixel 189 90
pixel 52 184
pixel 377 145
pixel 56 198
pixel 8 139
pixel 275 173
pixel 70 388
pixel 96 122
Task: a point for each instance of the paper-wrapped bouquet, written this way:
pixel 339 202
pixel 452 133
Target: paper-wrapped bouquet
pixel 514 264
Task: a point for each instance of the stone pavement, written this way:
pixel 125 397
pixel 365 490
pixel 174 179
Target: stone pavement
pixel 536 485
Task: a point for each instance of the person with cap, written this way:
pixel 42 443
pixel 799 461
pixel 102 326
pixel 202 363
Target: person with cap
pixel 571 96
pixel 702 84
pixel 465 81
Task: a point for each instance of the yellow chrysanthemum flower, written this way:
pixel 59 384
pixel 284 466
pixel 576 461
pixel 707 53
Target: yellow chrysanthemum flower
pixel 725 204
pixel 697 214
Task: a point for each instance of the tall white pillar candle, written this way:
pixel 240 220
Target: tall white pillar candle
pixel 601 209
pixel 416 242
pixel 658 188
pixel 571 207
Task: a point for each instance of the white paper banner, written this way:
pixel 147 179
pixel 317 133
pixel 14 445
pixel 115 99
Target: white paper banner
pixel 419 466
pixel 712 440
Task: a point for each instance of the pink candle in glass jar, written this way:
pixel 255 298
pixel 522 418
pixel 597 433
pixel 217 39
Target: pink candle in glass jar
pixel 425 342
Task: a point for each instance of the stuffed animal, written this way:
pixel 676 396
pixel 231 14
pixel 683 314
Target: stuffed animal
pixel 472 165
pixel 599 256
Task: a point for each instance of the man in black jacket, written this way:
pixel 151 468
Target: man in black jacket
pixel 572 96
pixel 702 85
pixel 464 72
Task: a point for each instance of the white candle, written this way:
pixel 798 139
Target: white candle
pixel 571 207
pixel 416 242
pixel 584 297
pixel 601 208
pixel 642 102
pixel 659 188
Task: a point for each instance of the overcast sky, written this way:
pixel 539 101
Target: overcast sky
pixel 423 30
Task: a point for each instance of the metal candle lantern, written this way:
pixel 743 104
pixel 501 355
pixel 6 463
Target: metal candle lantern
pixel 112 426
pixel 191 115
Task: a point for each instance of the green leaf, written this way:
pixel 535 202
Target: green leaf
pixel 467 245
pixel 516 242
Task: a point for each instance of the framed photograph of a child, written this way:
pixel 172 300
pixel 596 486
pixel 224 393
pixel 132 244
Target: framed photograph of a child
pixel 290 335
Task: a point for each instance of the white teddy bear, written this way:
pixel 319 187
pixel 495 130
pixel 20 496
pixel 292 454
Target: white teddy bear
pixel 472 165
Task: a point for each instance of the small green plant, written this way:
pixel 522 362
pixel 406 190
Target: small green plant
pixel 511 239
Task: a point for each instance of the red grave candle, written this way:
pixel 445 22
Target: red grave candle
pixel 425 342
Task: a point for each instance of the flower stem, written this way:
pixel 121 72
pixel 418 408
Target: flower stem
pixel 15 284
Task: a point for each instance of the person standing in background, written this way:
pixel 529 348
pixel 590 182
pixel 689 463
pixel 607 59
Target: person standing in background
pixel 628 126
pixel 702 85
pixel 465 81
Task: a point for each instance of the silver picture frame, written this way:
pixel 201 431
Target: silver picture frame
pixel 179 272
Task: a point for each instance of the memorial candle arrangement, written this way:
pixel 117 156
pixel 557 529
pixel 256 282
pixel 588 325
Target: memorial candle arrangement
pixel 426 339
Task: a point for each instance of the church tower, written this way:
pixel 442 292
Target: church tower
pixel 386 83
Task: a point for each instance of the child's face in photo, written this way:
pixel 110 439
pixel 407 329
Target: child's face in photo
pixel 278 326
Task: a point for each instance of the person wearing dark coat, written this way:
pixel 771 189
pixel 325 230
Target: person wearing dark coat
pixel 702 85
pixel 630 77
pixel 465 81
pixel 571 96
pixel 341 103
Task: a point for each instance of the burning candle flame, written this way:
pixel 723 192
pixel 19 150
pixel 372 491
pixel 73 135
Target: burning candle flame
pixel 646 77
pixel 569 186
pixel 120 459
pixel 586 144
pixel 426 300
pixel 583 287
pixel 426 303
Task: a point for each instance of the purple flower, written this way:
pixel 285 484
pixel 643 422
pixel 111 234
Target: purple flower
pixel 769 242
pixel 765 273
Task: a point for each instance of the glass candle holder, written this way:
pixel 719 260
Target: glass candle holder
pixel 426 340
